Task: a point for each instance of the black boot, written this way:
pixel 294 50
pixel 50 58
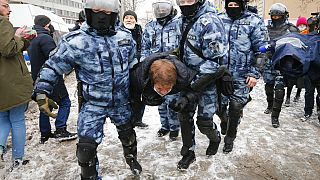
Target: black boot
pixel 45 137
pixel 63 135
pixel 173 135
pixel 228 144
pixel 127 137
pixel 269 89
pixel 213 147
pixel 275 121
pixel 186 160
pixel 162 132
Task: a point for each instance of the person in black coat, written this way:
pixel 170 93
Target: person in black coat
pixel 130 23
pixel 39 51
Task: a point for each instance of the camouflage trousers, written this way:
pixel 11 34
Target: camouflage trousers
pixel 168 117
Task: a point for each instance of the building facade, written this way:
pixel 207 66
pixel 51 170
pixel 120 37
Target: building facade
pixel 67 9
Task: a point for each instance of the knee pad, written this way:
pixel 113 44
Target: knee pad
pixel 87 157
pixel 208 127
pixel 279 95
pixel 235 109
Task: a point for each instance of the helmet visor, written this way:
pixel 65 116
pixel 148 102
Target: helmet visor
pixel 161 9
pixel 106 5
pixel 186 2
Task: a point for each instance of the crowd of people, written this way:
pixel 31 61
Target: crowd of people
pixel 198 63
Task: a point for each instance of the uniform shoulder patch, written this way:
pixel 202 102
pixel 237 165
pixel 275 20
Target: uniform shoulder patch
pixel 124 42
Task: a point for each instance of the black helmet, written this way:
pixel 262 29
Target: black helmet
pixel 279 9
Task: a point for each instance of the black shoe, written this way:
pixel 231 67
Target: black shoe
pixel 275 122
pixel 213 147
pixel 306 117
pixel 162 132
pixel 63 135
pixel 173 135
pixel 186 160
pixel 141 124
pixel 45 138
pixel 134 165
pixel 268 111
pixel 228 144
pixel 18 162
pixel 287 103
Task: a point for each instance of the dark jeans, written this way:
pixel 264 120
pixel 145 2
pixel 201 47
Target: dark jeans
pixel 61 120
pixel 309 96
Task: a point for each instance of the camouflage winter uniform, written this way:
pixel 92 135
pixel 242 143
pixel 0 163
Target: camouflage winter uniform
pixel 207 35
pixel 102 65
pixel 158 38
pixel 245 36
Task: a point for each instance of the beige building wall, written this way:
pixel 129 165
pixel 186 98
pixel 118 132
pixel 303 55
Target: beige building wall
pixel 296 8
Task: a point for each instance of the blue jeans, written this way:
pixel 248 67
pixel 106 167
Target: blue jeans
pixel 61 120
pixel 14 120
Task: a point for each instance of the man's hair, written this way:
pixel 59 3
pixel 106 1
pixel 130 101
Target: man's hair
pixel 163 72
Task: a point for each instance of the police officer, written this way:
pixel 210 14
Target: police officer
pixel 160 35
pixel 274 86
pixel 102 56
pixel 203 44
pixel 246 33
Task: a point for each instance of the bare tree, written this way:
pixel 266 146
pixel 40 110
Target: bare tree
pixel 136 3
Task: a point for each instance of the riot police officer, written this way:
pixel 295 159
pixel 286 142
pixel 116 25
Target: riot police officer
pixel 101 55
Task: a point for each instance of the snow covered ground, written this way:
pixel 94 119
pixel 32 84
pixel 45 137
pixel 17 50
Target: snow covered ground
pixel 260 152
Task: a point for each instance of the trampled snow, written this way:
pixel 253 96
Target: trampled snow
pixel 291 151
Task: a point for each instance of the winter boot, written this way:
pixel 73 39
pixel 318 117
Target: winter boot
pixel 186 160
pixel 268 110
pixel 134 164
pixel 275 121
pixel 63 135
pixel 162 132
pixel 306 117
pixel 45 137
pixel 213 147
pixel 228 144
pixel 173 135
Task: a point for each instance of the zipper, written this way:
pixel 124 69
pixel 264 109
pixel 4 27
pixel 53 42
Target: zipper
pixel 229 45
pixel 101 63
pixel 120 59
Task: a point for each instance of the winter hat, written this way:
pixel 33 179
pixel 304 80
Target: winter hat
pixel 302 20
pixel 41 20
pixel 240 2
pixel 132 13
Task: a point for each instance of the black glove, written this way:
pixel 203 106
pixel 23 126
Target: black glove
pixel 226 84
pixel 179 105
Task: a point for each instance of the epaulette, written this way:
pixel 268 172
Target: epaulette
pixel 71 35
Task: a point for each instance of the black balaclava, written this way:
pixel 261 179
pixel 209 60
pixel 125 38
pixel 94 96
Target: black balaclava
pixel 190 11
pixel 102 22
pixel 235 13
pixel 278 22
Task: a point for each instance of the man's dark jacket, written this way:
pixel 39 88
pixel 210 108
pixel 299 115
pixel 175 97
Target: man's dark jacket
pixel 137 37
pixel 39 51
pixel 142 86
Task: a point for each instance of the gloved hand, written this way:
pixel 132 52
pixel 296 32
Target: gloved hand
pixel 45 105
pixel 227 88
pixel 179 105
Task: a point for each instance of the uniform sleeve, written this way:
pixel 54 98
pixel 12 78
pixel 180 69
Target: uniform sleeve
pixel 214 45
pixel 145 44
pixel 132 55
pixel 10 45
pixel 61 61
pixel 259 37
